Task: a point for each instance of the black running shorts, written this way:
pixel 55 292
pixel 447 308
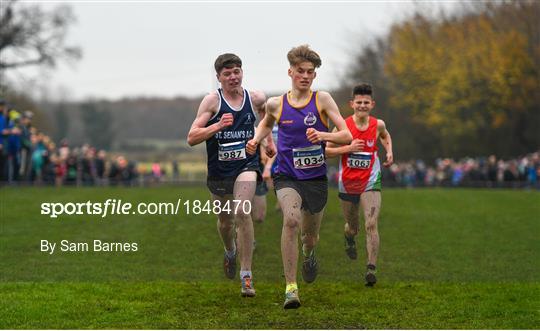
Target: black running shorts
pixel 314 192
pixel 354 198
pixel 221 186
pixel 262 188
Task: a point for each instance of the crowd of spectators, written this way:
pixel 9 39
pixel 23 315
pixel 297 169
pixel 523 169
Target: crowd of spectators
pixel 31 157
pixel 28 156
pixel 487 172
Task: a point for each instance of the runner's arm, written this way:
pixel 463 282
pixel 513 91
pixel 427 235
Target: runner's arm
pixel 333 150
pixel 386 141
pixel 342 136
pixel 208 107
pixel 258 100
pixel 265 126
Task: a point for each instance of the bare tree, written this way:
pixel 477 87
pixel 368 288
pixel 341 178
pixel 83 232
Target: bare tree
pixel 32 36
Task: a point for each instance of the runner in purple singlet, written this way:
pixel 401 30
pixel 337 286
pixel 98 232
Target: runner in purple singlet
pixel 300 180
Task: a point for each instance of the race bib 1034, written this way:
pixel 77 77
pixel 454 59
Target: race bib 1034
pixel 308 157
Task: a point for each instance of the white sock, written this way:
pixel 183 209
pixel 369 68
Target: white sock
pixel 244 273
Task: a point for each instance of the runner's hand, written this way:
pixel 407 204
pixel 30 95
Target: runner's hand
pixel 251 147
pixel 270 150
pixel 357 145
pixel 225 121
pixel 267 174
pixel 314 136
pixel 389 160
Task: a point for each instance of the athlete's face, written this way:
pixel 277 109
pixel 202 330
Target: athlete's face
pixel 302 75
pixel 230 78
pixel 362 104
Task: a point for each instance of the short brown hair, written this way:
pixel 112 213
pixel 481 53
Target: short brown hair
pixel 227 60
pixel 303 53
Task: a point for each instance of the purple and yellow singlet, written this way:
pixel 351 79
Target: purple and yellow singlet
pixel 297 157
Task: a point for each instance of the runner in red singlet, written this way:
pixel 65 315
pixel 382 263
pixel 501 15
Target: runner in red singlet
pixel 360 175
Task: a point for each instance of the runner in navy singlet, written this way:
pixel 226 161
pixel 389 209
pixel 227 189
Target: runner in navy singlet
pixel 226 121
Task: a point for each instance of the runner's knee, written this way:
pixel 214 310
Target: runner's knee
pixel 352 228
pixel 225 223
pixel 258 217
pixel 292 222
pixel 371 226
pixel 242 218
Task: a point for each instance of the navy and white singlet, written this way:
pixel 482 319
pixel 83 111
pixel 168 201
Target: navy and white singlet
pixel 226 150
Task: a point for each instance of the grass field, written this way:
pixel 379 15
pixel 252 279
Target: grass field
pixel 449 259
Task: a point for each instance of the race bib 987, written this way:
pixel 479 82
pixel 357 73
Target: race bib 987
pixel 232 151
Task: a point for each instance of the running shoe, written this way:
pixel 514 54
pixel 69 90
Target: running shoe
pixel 247 287
pixel 350 248
pixel 370 275
pixel 229 266
pixel 310 268
pixel 292 301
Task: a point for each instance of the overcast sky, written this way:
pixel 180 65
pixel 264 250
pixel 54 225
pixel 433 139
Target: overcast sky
pixel 168 48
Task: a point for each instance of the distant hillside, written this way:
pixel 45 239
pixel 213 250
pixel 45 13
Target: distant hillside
pixel 132 119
